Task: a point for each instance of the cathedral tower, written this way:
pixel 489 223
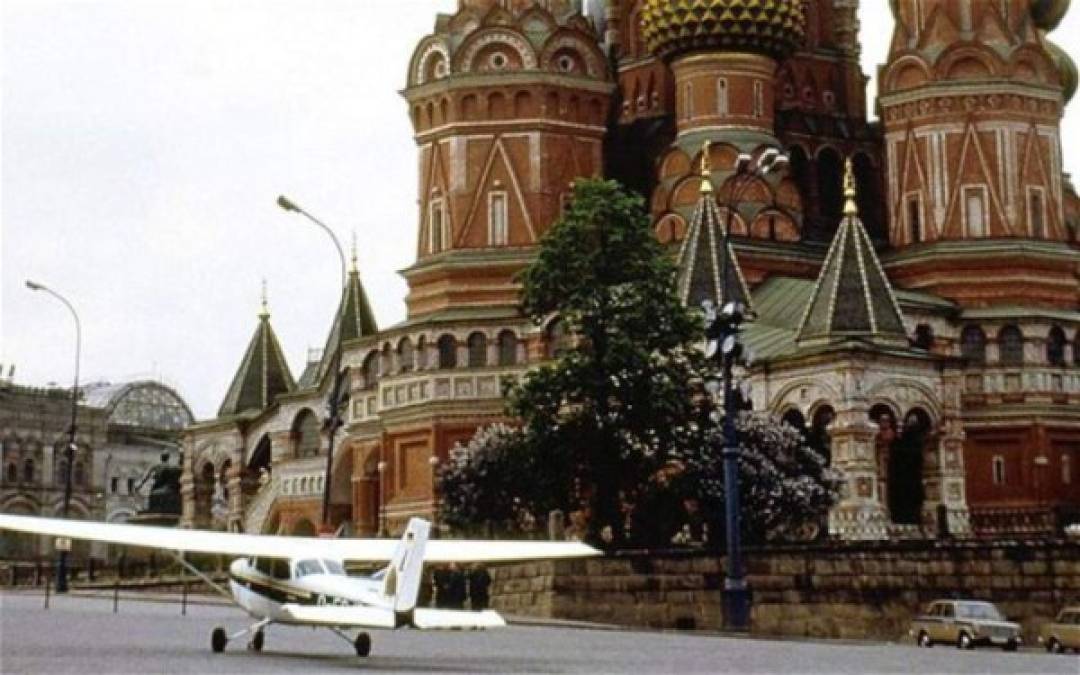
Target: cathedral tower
pixel 509 103
pixel 971 99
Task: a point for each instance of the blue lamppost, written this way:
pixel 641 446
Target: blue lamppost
pixel 64 545
pixel 723 325
pixel 334 403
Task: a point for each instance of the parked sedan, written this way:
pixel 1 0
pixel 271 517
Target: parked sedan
pixel 965 623
pixel 1062 633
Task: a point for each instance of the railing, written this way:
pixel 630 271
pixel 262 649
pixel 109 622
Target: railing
pixel 422 387
pixel 1013 521
pixel 259 508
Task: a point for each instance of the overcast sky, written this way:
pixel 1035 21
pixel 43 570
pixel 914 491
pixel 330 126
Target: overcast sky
pixel 145 142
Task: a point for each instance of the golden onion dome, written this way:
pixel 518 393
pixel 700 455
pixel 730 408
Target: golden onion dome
pixel 1066 67
pixel 771 27
pixel 1048 13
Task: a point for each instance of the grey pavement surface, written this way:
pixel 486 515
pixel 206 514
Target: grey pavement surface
pixel 82 635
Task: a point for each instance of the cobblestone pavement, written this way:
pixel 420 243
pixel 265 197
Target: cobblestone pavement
pixel 82 635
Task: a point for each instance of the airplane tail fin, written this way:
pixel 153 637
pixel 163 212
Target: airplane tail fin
pixel 404 574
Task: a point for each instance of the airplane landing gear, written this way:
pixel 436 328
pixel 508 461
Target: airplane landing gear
pixel 218 639
pixel 362 644
pixel 256 643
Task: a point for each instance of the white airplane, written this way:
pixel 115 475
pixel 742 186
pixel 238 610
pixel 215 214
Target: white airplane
pixel 301 581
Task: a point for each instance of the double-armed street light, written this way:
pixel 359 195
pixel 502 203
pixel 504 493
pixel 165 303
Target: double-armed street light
pixel 722 328
pixel 333 419
pixel 63 546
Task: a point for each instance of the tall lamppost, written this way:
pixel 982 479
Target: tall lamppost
pixel 722 329
pixel 64 545
pixel 333 404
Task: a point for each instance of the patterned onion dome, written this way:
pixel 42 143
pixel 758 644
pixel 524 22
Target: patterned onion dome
pixel 1066 68
pixel 1048 13
pixel 771 27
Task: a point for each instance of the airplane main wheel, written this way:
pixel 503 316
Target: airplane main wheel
pixel 257 641
pixel 218 639
pixel 362 644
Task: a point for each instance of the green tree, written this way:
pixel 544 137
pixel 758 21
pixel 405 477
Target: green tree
pixel 617 427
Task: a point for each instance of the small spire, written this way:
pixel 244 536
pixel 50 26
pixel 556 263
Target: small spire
pixel 706 169
pixel 354 267
pixel 850 208
pixel 264 313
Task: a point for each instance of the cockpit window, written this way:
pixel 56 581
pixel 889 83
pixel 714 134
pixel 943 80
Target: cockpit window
pixel 333 567
pixel 306 567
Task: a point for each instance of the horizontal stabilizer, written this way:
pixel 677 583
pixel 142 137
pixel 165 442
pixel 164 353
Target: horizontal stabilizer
pixel 333 615
pixel 450 619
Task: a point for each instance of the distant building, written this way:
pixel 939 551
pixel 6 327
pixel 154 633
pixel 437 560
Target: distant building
pixel 122 431
pixel 926 334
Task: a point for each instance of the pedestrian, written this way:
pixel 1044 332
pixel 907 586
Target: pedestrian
pixel 456 587
pixel 479 586
pixel 441 581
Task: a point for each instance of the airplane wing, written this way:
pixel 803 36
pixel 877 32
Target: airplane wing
pixel 273 546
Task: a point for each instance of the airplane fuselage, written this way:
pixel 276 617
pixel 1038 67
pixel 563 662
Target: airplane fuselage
pixel 262 589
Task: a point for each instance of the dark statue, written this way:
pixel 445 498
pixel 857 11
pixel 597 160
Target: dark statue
pixel 165 489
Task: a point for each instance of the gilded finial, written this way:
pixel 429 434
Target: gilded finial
pixel 264 313
pixel 850 208
pixel 706 170
pixel 354 268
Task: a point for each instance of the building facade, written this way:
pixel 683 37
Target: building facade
pixel 913 281
pixel 122 431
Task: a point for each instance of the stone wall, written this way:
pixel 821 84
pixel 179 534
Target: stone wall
pixel 836 590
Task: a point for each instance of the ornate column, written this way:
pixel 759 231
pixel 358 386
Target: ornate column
pixel 860 514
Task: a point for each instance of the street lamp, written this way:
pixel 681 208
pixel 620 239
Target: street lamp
pixel 69 454
pixel 723 326
pixel 381 515
pixel 334 403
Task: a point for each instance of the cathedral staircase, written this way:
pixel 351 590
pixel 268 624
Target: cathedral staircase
pixel 258 508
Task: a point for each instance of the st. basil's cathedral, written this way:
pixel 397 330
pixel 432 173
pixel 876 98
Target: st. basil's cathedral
pixel 922 323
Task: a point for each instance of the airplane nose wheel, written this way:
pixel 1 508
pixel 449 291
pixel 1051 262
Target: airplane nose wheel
pixel 218 639
pixel 362 644
pixel 257 640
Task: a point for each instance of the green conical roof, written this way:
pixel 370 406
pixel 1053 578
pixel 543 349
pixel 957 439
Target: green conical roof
pixel 701 258
pixel 852 297
pixel 354 319
pixel 263 373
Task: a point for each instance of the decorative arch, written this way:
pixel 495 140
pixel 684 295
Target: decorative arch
pixel 567 44
pixel 967 61
pixel 426 57
pixel 671 228
pixel 305 432
pixel 907 72
pixel 465 60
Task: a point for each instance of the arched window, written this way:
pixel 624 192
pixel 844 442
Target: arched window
pixel 1011 346
pixel 386 362
pixel 477 350
pixel 28 471
pixel 447 352
pixel 794 419
pixel 558 341
pixel 1055 347
pixel 306 431
pixel 406 356
pixel 973 345
pixel 371 370
pixel 818 437
pixel 508 344
pixel 924 337
pixel 11 474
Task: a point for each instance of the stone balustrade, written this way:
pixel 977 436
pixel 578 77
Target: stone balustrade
pixel 424 387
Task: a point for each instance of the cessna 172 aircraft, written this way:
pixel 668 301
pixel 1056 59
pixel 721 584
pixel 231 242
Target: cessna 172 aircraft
pixel 302 581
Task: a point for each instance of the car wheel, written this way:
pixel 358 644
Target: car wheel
pixel 1053 646
pixel 1010 646
pixel 964 641
pixel 924 640
pixel 362 644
